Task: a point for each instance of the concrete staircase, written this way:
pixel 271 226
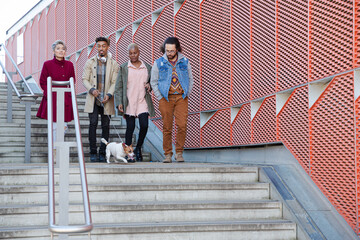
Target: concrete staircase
pixel 12 135
pixel 148 201
pixel 135 201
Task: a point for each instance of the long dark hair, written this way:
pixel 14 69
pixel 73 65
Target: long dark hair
pixel 171 40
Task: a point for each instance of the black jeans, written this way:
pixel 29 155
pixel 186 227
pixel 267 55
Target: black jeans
pixel 105 126
pixel 130 126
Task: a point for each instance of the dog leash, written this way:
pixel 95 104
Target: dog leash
pixel 117 132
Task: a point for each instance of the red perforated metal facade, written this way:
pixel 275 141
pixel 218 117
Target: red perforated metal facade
pixel 162 29
pixel 124 13
pixel 264 122
pixel 263 71
pixel 60 22
pixel 193 133
pixel 81 24
pixel 50 32
pixel 142 37
pixel 27 50
pixel 108 17
pixel 292 43
pixel 80 63
pixel 240 81
pixel 187 27
pixel 70 19
pixel 332 146
pixel 241 126
pixel 293 126
pixel 215 54
pixel 241 53
pixel 35 45
pixel 141 8
pixel 122 44
pixel 94 20
pixel 331 38
pixel 215 133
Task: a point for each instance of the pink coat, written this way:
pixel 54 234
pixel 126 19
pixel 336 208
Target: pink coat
pixel 58 71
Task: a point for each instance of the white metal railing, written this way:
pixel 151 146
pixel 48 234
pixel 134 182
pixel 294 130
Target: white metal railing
pixel 63 151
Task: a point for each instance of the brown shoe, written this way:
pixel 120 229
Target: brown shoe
pixel 167 159
pixel 179 157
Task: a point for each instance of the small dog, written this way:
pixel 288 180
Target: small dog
pixel 118 150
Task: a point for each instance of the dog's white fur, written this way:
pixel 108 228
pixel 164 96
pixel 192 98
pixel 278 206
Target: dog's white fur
pixel 117 150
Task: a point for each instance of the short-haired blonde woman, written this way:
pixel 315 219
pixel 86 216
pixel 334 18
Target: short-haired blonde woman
pixel 58 69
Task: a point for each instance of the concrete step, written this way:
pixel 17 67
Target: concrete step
pixel 42 157
pixel 37 194
pixel 203 230
pixel 150 212
pixel 40 129
pixel 42 136
pixel 36 174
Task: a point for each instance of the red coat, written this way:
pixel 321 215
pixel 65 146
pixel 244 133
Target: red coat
pixel 58 71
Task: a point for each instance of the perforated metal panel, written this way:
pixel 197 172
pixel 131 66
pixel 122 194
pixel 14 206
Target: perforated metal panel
pixel 331 38
pixel 142 37
pixel 50 33
pixel 70 33
pixel 263 125
pixel 240 86
pixel 94 20
pixel 193 131
pixel 292 43
pixel 42 39
pixel 241 127
pixel 27 50
pixel 60 21
pixel 35 46
pixel 141 8
pixel 187 29
pixel 108 17
pixel 156 4
pixel 356 60
pixel 81 24
pixel 12 49
pixel 215 132
pixel 125 39
pixel 162 29
pixel 332 146
pixel 80 63
pixel 112 48
pixel 357 117
pixel 293 126
pixel 215 54
pixel 93 51
pixel 158 123
pixel 124 13
pixel 263 48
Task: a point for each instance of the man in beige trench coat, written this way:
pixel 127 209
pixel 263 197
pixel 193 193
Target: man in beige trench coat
pixel 99 78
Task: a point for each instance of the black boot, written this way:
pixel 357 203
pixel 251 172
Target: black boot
pixel 138 154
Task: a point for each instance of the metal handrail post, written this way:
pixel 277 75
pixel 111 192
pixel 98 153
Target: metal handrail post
pixel 27 104
pixel 85 191
pixel 51 195
pixel 9 104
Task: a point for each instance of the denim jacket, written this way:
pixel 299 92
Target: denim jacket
pixel 161 76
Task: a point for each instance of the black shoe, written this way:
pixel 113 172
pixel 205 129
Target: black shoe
pixel 129 160
pixel 102 158
pixel 93 157
pixel 138 154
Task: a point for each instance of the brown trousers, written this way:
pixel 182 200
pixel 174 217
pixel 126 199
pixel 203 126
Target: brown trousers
pixel 178 107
